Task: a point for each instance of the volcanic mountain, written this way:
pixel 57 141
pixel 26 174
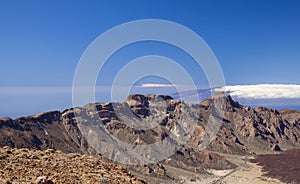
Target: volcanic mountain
pixel 201 133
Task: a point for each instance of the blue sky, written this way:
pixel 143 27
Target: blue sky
pixel 41 42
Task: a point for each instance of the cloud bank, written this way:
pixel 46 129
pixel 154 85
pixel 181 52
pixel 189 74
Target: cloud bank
pixel 264 91
pixel 155 85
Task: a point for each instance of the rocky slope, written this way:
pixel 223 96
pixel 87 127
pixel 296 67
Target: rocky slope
pixel 259 130
pixel 148 119
pixel 50 166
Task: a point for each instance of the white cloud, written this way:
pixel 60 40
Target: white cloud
pixel 264 91
pixel 155 85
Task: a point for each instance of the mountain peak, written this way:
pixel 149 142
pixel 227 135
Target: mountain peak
pixel 142 98
pixel 222 100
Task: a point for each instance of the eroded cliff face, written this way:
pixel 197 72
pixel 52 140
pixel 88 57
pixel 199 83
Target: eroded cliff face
pixel 42 131
pixel 259 130
pixel 147 119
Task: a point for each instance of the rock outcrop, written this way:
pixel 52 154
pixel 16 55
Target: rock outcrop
pixel 147 119
pixel 50 166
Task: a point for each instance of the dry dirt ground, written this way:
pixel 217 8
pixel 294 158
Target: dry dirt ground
pixel 246 173
pixel 284 166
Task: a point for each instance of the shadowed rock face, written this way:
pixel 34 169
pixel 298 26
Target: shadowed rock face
pixel 243 129
pixel 42 131
pixel 190 159
pixel 248 130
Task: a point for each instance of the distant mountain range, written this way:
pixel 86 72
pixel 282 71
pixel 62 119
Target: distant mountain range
pixel 242 131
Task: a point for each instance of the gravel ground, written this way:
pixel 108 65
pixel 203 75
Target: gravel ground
pixel 284 166
pixel 50 166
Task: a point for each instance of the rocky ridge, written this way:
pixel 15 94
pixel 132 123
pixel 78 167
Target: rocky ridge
pixel 147 119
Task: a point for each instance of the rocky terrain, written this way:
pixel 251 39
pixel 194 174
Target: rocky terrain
pixel 50 166
pixel 140 120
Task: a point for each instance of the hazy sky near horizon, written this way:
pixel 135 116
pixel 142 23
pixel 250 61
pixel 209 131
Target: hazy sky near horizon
pixel 41 42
